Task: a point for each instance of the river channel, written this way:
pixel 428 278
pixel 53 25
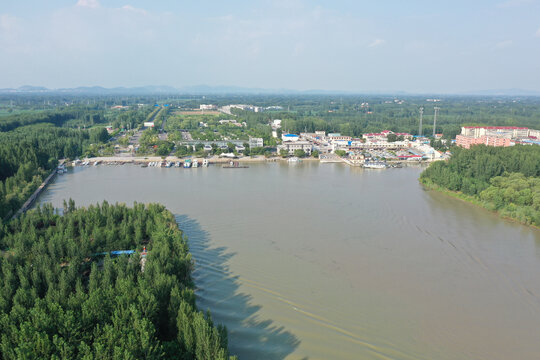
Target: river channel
pixel 324 261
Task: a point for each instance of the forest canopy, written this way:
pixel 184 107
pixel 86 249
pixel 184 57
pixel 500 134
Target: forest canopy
pixel 65 296
pixel 504 179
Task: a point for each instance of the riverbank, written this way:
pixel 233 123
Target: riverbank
pixel 211 160
pixel 428 185
pixel 30 201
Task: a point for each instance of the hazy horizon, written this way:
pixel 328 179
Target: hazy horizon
pixel 416 47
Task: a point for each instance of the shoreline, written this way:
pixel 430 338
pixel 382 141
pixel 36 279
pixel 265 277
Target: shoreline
pixel 32 198
pixel 139 160
pixel 472 201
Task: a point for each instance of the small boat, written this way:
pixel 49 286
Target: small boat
pixel 195 164
pixel 177 164
pixel 205 163
pixel 294 159
pixel 187 164
pixel 375 165
pixel 169 164
pixel 235 165
pixel 144 165
pixel 97 162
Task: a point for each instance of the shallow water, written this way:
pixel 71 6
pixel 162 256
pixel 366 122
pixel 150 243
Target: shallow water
pixel 324 261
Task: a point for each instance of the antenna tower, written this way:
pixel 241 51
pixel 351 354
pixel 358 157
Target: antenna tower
pixel 420 127
pixel 435 119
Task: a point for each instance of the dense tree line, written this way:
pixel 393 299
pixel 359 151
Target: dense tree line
pixel 502 179
pixel 77 116
pixel 62 298
pixel 29 153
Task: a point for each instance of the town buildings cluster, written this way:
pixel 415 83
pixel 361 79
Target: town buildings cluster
pixel 370 145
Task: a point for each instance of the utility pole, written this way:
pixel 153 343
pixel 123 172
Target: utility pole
pixel 420 127
pixel 435 119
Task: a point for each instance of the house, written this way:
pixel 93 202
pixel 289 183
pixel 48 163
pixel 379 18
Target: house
pixel 291 146
pixel 289 137
pixel 255 142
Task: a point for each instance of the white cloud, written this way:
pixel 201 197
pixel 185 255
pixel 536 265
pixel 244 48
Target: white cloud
pixel 377 42
pixel 93 4
pixel 503 44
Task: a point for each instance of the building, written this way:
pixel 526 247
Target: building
pixel 534 134
pixel 468 141
pixel 255 142
pixel 291 146
pixel 148 124
pixel 239 148
pixel 207 107
pixel 289 137
pixel 383 136
pixel 276 124
pixel 510 132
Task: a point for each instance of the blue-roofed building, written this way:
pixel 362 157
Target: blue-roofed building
pixel 289 137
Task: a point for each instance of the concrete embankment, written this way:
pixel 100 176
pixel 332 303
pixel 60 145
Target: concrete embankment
pixel 212 160
pixel 28 203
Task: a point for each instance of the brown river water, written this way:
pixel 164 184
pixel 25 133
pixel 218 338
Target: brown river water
pixel 324 261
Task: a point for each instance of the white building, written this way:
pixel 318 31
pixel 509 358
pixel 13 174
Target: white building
pixel 289 137
pixel 276 124
pixel 207 107
pixel 255 142
pixel 291 146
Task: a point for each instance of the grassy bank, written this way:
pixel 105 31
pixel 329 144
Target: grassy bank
pixel 471 199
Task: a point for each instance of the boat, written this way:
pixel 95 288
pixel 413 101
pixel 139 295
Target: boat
pixel 144 165
pixel 205 162
pixel 293 159
pixel 195 164
pixel 187 163
pixel 169 164
pixel 177 164
pixel 375 165
pixel 235 165
pixel 97 162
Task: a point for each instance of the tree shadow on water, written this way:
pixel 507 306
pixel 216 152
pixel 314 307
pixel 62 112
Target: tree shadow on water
pixel 217 290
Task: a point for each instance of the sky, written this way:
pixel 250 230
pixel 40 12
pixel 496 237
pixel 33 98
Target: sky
pixel 414 46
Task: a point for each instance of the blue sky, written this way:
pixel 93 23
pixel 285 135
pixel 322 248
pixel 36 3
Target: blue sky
pixel 414 46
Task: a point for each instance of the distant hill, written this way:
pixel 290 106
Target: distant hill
pixel 233 90
pixel 504 92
